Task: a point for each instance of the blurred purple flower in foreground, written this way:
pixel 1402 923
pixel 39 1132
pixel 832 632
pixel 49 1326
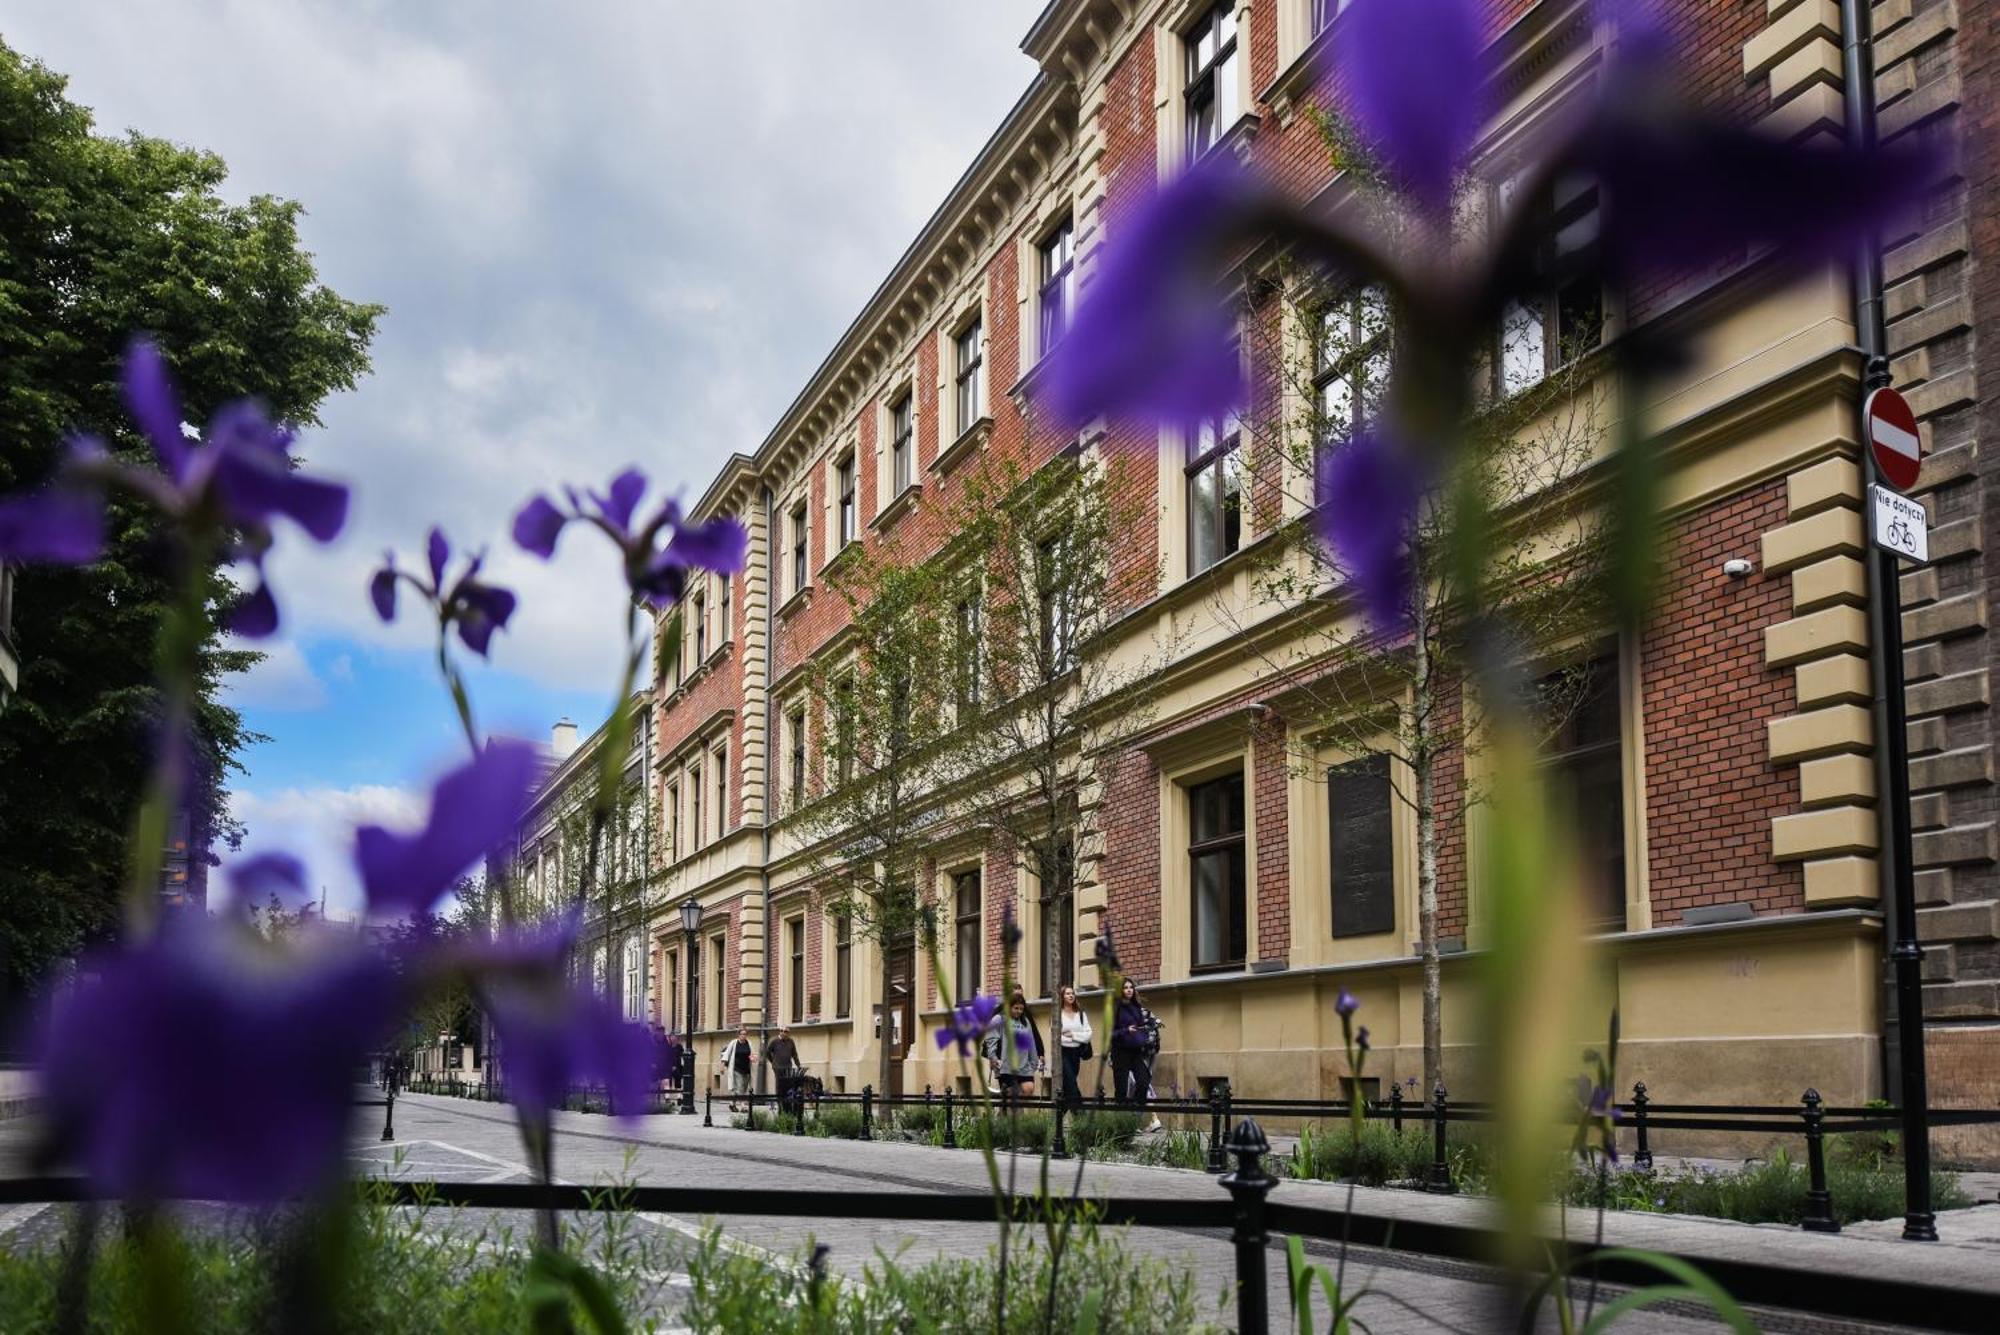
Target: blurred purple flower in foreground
pixel 968 1023
pixel 1679 188
pixel 472 809
pixel 226 487
pixel 656 573
pixel 475 608
pixel 556 1041
pixel 265 876
pixel 158 1068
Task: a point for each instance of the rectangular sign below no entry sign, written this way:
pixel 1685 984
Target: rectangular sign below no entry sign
pixel 1900 525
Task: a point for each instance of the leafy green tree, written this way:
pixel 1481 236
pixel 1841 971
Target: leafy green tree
pixel 100 238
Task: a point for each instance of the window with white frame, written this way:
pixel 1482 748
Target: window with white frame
pixel 1585 764
pixel 725 588
pixel 635 998
pixel 843 965
pixel 795 737
pixel 694 807
pixel 1214 487
pixel 698 621
pixel 721 791
pixel 902 444
pixel 673 830
pixel 968 362
pixel 1058 612
pixel 844 481
pixel 795 971
pixel 1057 916
pixel 799 552
pixel 1325 12
pixel 1351 362
pixel 966 932
pixel 1056 283
pixel 1211 91
pixel 1545 330
pixel 967 651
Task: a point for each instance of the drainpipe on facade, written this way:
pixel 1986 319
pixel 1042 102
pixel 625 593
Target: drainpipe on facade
pixel 1902 1039
pixel 770 707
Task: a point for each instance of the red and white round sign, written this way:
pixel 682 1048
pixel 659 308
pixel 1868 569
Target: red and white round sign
pixel 1892 437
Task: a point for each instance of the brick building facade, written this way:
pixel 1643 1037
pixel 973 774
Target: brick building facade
pixel 1746 959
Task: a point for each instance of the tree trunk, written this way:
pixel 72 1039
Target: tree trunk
pixel 1423 759
pixel 888 1029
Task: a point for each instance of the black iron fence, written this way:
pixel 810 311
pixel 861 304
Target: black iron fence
pixel 1245 1214
pixel 1810 1120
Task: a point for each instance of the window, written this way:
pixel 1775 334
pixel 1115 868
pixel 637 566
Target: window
pixel 1058 918
pixel 843 966
pixel 1585 766
pixel 1350 362
pixel 795 730
pixel 844 471
pixel 1211 94
pixel 670 663
pixel 1214 491
pixel 843 729
pixel 672 979
pixel 1057 615
pixel 635 999
pixel 698 618
pixel 726 586
pixel 1056 295
pixel 902 444
pixel 673 822
pixel 721 791
pixel 1217 879
pixel 718 951
pixel 1326 11
pixel 1540 333
pixel 968 356
pixel 795 943
pixel 798 547
pixel 694 807
pixel 1362 853
pixel 968 652
pixel 966 932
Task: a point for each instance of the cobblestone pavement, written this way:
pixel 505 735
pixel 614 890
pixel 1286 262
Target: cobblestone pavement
pixel 450 1139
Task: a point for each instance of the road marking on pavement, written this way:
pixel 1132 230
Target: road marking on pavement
pixel 14 1216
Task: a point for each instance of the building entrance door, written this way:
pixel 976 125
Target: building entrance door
pixel 900 1010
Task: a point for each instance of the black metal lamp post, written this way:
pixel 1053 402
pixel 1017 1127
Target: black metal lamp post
pixel 690 924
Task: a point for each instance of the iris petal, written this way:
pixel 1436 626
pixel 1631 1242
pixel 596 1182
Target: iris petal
pixel 537 527
pixel 472 809
pixel 1412 72
pixel 150 398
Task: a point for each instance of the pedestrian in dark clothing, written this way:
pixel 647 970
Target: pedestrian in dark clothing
pixel 781 1058
pixel 1131 1037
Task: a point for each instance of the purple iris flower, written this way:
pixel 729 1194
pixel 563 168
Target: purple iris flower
pixel 575 1037
pixel 157 1070
pixel 228 486
pixel 1413 73
pixel 968 1023
pixel 1369 489
pixel 474 607
pixel 1345 1004
pixel 1152 338
pixel 655 571
pixel 472 809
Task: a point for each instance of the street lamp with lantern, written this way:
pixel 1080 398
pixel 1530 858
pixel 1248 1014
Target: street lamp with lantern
pixel 690 924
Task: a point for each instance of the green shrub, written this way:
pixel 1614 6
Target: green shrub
pixel 1179 1149
pixel 919 1120
pixel 842 1121
pixel 1863 1186
pixel 1132 1294
pixel 1377 1156
pixel 1006 1131
pixel 1096 1133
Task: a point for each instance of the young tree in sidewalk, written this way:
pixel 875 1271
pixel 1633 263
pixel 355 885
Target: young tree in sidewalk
pixel 1514 527
pixel 1044 694
pixel 883 712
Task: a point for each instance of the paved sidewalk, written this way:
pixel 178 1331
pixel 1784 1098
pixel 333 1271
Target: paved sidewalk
pixel 1415 1293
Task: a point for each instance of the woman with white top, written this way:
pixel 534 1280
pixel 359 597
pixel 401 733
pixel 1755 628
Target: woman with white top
pixel 1075 1036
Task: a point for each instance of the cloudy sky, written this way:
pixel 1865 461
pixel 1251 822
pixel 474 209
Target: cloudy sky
pixel 607 232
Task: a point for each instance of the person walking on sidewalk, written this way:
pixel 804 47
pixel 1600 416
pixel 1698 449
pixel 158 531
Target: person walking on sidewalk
pixel 1074 1037
pixel 781 1059
pixel 1132 1032
pixel 735 1062
pixel 1015 1049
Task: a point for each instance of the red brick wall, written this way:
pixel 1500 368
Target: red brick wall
pixel 1130 868
pixel 1711 789
pixel 1271 817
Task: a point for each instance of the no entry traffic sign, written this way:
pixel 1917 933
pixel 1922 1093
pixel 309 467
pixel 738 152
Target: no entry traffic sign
pixel 1892 437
